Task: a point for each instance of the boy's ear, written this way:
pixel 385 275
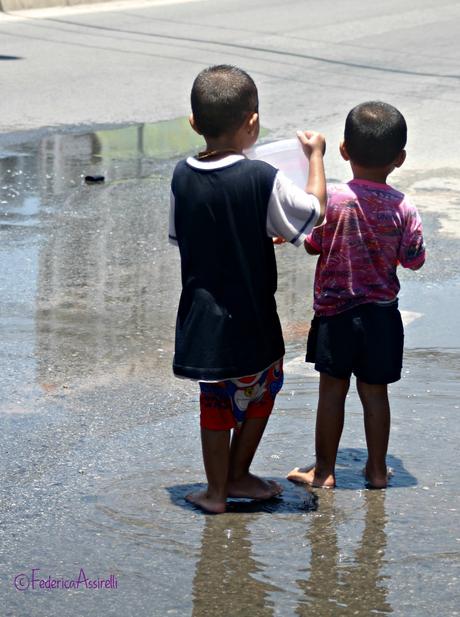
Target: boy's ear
pixel 400 158
pixel 343 151
pixel 191 119
pixel 252 122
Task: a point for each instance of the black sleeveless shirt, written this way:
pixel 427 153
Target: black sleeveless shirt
pixel 227 324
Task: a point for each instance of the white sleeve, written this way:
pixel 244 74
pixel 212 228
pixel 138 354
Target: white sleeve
pixel 292 213
pixel 172 227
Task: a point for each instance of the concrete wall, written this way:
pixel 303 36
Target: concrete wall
pixel 17 5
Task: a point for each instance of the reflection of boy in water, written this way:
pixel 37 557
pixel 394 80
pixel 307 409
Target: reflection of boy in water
pixel 369 229
pixel 356 582
pixel 229 577
pixel 225 209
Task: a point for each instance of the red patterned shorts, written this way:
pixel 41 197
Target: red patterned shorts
pixel 227 404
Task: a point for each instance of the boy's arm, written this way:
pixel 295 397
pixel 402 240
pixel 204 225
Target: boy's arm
pixel 412 249
pixel 293 212
pixel 313 242
pixel 172 226
pixel 311 250
pixel 314 147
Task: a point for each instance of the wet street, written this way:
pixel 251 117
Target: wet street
pixel 99 442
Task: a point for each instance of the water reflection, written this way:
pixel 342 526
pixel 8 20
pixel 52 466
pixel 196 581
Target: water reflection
pixel 100 290
pixel 103 285
pixel 342 581
pixel 345 573
pixel 228 578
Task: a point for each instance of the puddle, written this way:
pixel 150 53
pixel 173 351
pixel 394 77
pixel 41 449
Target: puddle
pixel 162 140
pixel 99 442
pixel 90 285
pixel 88 274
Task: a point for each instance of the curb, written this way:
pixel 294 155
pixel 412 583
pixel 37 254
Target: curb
pixel 18 5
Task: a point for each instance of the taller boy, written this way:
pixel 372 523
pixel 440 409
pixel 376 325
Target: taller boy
pixel 225 209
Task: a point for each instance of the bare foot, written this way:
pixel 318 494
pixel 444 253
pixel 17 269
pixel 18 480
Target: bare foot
pixel 309 475
pixel 253 487
pixel 376 480
pixel 206 503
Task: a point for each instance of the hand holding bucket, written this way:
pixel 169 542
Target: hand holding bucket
pixel 286 155
pixel 290 155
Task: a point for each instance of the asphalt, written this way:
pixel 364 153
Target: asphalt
pixel 99 443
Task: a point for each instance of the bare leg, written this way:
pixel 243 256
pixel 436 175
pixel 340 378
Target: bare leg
pixel 241 483
pixel 329 426
pixel 216 449
pixel 377 426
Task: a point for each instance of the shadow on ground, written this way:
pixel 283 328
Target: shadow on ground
pixel 298 497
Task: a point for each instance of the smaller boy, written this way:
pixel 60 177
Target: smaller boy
pixel 225 210
pixel 369 229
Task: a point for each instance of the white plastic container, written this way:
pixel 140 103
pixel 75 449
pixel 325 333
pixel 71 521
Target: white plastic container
pixel 286 155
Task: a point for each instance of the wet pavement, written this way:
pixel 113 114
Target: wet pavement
pixel 99 442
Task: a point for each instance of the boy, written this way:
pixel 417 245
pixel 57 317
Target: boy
pixel 369 229
pixel 225 210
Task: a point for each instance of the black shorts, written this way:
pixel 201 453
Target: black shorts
pixel 367 341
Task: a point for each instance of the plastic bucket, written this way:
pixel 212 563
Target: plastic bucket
pixel 286 155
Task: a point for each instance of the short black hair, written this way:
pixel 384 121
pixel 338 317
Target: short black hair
pixel 375 133
pixel 221 98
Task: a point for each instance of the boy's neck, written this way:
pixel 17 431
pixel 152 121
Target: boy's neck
pixel 372 174
pixel 224 145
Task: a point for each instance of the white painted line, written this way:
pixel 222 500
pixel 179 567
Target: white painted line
pixel 83 9
pixel 409 316
pixel 298 366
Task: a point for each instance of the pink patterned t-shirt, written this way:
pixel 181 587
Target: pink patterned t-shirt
pixel 368 230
